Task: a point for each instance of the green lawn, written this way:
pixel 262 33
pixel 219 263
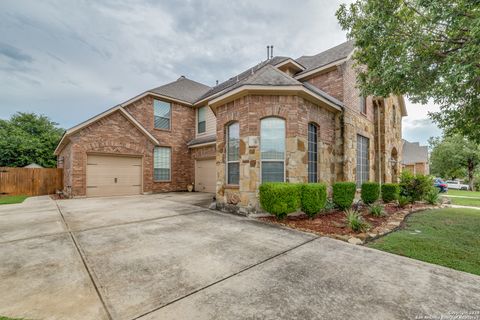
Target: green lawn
pixel 7 318
pixel 11 200
pixel 447 237
pixel 475 194
pixel 472 198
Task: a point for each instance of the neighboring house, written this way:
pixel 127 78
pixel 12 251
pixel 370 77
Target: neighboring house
pixel 33 165
pixel 415 158
pixel 288 120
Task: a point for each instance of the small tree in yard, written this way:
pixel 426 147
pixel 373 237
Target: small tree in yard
pixel 27 138
pixel 454 155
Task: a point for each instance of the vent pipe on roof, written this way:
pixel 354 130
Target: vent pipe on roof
pixel 268 52
pixel 216 83
pixel 271 51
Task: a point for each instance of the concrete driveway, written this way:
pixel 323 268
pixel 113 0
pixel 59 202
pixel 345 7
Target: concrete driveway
pixel 168 257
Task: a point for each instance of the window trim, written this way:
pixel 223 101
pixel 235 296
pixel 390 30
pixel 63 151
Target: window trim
pixel 317 127
pixel 198 120
pixel 284 151
pixel 153 165
pixel 169 114
pixel 227 162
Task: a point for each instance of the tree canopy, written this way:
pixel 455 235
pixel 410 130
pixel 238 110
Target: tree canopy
pixel 423 49
pixel 27 138
pixel 454 157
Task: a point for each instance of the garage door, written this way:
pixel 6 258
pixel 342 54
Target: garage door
pixel 205 175
pixel 113 176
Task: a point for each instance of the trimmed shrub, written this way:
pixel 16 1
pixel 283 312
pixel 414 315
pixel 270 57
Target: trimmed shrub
pixel 279 198
pixel 370 192
pixel 343 194
pixel 313 198
pixel 355 221
pixel 390 192
pixel 415 187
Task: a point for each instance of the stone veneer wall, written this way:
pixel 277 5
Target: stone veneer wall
pixel 249 111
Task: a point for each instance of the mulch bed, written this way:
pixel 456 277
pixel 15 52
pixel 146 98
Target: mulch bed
pixel 332 223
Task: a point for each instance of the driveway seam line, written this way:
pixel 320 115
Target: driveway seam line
pixel 100 227
pixel 225 278
pixel 83 258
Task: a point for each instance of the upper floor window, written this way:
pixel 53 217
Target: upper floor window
pixel 272 149
pixel 201 121
pixel 162 164
pixel 233 153
pixel 162 113
pixel 394 115
pixel 312 152
pixel 363 167
pixel 363 105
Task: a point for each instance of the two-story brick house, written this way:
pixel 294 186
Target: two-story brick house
pixel 289 120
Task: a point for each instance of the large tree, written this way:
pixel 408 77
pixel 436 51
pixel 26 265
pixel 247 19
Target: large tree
pixel 425 49
pixel 453 156
pixel 27 138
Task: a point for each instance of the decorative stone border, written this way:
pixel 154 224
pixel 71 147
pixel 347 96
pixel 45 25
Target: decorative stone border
pixel 393 223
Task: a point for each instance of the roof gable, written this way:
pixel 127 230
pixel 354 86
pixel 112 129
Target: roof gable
pixel 102 115
pixel 242 76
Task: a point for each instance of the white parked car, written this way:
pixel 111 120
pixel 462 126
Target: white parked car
pixel 455 184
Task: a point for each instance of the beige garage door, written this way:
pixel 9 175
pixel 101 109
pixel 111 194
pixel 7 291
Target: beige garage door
pixel 113 176
pixel 205 175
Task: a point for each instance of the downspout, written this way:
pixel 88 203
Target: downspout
pixel 379 146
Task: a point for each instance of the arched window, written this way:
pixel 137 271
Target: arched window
pixel 272 149
pixel 233 153
pixel 312 152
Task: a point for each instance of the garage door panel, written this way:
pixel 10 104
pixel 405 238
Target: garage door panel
pixel 113 175
pixel 205 175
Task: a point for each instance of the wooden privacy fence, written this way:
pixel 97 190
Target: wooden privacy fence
pixel 30 181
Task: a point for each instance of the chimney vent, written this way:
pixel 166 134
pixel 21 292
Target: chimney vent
pixel 268 52
pixel 271 51
pixel 216 83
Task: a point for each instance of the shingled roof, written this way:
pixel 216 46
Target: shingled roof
pixel 183 89
pixel 413 152
pixel 323 58
pixel 242 76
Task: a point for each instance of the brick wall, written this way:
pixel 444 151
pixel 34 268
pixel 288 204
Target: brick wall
pixel 113 134
pixel 330 81
pixel 182 131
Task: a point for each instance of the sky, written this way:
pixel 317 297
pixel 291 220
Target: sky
pixel 72 60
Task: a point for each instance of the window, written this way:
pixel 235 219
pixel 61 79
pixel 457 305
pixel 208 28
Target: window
pixel 201 123
pixel 363 105
pixel 394 115
pixel 162 113
pixel 312 152
pixel 272 149
pixel 161 164
pixel 363 168
pixel 233 153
